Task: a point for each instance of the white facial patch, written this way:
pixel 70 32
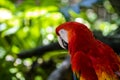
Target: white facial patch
pixel 64 35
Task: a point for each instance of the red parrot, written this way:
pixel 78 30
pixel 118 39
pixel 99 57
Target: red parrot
pixel 91 59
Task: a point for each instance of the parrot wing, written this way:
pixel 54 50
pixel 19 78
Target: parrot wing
pixel 106 62
pixel 82 67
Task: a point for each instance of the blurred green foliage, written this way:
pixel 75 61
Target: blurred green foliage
pixel 26 24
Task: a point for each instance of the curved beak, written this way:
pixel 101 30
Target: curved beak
pixel 62 43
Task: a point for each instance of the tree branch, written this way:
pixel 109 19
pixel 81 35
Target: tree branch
pixel 59 73
pixel 40 50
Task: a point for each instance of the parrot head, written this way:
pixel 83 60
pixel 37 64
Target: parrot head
pixel 74 33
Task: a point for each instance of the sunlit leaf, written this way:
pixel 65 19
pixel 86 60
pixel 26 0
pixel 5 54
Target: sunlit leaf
pixel 7 4
pixel 35 31
pixel 2 52
pixel 9 58
pixel 92 16
pixel 81 20
pixel 10 31
pixel 3 26
pixel 20 76
pixel 108 6
pixel 5 14
pixel 38 78
pixel 17 62
pixel 15 49
pixel 13 70
pixel 22 33
pixel 27 62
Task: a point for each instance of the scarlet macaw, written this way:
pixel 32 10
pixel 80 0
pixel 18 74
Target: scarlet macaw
pixel 91 59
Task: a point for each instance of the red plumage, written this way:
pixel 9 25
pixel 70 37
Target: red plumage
pixel 91 59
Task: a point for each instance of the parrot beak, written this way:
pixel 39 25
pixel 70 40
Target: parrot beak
pixel 62 43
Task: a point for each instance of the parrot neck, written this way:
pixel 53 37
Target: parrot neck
pixel 83 44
